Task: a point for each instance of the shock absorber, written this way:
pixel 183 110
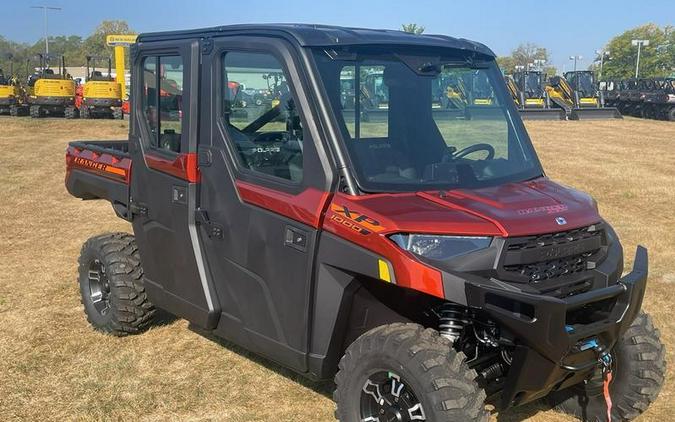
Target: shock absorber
pixel 451 320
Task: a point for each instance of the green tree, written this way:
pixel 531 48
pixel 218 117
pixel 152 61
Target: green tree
pixel 12 56
pixel 95 44
pixel 526 55
pixel 656 59
pixel 412 28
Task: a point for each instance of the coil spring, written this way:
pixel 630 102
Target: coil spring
pixel 451 321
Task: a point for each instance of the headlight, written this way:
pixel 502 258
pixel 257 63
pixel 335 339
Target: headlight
pixel 440 247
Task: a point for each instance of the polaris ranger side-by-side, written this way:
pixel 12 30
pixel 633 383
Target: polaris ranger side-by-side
pixel 422 258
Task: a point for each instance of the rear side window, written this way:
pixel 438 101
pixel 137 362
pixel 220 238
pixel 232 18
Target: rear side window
pixel 163 101
pixel 261 115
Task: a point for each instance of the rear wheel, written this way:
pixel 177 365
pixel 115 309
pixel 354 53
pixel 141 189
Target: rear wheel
pixel 671 114
pixel 111 285
pixel 118 114
pixel 638 372
pixel 403 373
pixel 13 111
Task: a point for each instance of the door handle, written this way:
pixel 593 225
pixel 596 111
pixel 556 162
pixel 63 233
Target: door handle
pixel 296 238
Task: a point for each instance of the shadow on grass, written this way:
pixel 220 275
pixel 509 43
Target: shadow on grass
pixel 521 413
pixel 324 388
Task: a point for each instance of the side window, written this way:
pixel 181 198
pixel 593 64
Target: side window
pixel 261 115
pixel 163 101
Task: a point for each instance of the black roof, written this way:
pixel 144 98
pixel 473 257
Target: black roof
pixel 308 35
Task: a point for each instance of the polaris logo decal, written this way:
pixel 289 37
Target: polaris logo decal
pixel 561 221
pixel 549 209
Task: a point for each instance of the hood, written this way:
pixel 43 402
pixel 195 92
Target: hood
pixel 513 209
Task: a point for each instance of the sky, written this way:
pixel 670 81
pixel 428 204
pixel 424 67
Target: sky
pixel 565 28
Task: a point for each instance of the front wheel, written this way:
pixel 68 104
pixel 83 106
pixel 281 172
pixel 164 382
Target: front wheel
pixel 638 372
pixel 403 372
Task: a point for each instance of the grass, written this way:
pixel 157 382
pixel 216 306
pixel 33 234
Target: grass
pixel 53 366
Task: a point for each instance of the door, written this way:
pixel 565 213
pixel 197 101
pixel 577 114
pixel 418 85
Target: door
pixel 165 178
pixel 264 187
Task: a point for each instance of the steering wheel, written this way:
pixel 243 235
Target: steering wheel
pixel 475 148
pixel 270 137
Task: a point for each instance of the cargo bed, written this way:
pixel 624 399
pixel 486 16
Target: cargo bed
pixel 100 170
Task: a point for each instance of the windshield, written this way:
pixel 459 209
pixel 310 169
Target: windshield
pixel 425 122
pixel 583 82
pixel 530 83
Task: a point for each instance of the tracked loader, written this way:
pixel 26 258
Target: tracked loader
pixel 102 95
pixel 532 100
pixel 582 103
pixel 51 93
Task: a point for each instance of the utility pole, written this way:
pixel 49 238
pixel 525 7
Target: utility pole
pixel 575 58
pixel 46 34
pixel 639 44
pixel 602 54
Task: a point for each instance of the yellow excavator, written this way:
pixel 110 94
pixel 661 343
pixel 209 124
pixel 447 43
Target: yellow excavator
pixel 101 95
pixel 51 93
pixel 579 96
pixel 530 96
pixel 12 94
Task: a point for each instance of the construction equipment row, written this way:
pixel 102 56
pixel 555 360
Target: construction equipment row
pixel 574 96
pixel 51 91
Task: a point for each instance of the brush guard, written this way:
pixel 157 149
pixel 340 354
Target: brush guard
pixel 559 340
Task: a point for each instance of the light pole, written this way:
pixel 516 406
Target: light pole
pixel 639 44
pixel 575 58
pixel 602 54
pixel 539 64
pixel 45 9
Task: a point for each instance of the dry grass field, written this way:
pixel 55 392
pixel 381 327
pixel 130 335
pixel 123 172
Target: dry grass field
pixel 53 366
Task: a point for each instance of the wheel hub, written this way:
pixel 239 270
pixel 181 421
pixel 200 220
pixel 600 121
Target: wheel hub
pixel 99 288
pixel 386 397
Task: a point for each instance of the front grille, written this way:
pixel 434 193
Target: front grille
pixel 546 270
pixel 554 263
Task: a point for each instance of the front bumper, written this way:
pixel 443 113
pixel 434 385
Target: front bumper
pixel 552 336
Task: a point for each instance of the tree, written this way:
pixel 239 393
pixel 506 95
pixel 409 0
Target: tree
pixel 527 55
pixel 656 59
pixel 412 28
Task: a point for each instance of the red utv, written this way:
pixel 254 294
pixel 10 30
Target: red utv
pixel 422 258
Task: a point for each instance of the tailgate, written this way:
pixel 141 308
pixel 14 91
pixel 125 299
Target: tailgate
pixel 100 170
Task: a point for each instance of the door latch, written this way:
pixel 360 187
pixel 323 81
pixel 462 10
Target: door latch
pixel 136 209
pixel 213 230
